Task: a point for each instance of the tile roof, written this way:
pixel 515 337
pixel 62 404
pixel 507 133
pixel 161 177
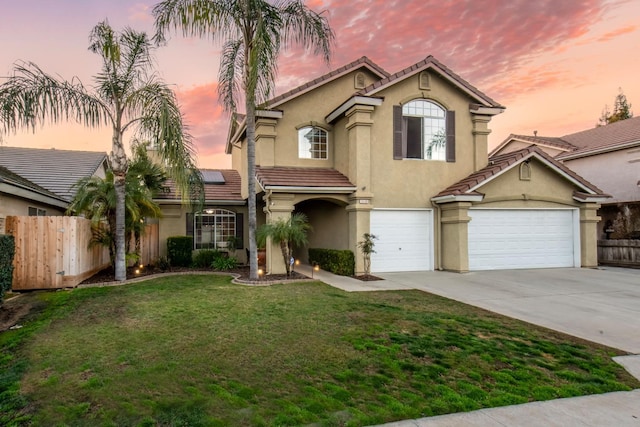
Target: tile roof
pixel 358 63
pixel 52 169
pixel 503 162
pixel 14 179
pixel 602 137
pixel 301 177
pixel 545 140
pixel 428 62
pixel 229 191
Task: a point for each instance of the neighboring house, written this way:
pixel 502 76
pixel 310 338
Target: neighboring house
pixel 404 156
pixel 222 216
pixel 608 156
pixel 40 181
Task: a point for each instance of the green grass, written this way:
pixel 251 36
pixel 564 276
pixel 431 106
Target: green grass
pixel 199 351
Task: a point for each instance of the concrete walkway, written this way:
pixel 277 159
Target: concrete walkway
pixel 600 305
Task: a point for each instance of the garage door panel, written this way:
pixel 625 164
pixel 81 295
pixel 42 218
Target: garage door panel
pixel 404 240
pixel 509 239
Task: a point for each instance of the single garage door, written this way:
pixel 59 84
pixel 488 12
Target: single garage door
pixel 404 240
pixel 523 238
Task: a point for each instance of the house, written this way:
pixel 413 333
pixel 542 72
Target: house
pixel 221 217
pixel 404 156
pixel 608 156
pixel 40 182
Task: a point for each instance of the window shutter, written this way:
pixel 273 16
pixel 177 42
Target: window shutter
pixel 451 136
pixel 397 132
pixel 189 224
pixel 240 230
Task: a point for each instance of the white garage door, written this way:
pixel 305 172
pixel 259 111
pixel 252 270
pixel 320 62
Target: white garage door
pixel 404 240
pixel 523 238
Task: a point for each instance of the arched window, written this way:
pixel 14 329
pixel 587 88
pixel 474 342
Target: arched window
pixel 424 130
pixel 213 228
pixel 313 143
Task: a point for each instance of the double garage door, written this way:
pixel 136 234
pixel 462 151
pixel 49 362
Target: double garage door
pixel 498 239
pixel 523 238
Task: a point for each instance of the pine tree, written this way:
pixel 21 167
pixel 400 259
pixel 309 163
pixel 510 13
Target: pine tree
pixel 621 110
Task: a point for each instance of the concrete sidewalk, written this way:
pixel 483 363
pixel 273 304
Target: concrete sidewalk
pixel 611 296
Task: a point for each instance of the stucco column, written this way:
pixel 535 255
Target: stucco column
pixel 454 238
pixel 360 203
pixel 359 210
pixel 589 235
pixel 266 140
pixel 481 133
pixel 277 206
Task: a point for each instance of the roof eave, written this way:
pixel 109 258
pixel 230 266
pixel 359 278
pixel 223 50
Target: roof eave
pixel 354 100
pixel 450 198
pixel 309 190
pixel 27 193
pixel 596 151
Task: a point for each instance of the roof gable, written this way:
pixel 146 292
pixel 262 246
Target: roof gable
pixel 500 164
pixel 55 170
pixel 430 63
pixel 362 62
pixel 554 142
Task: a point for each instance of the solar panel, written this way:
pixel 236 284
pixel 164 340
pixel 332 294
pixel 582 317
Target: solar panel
pixel 212 177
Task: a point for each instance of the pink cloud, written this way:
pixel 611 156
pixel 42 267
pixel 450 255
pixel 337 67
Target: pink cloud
pixel 618 32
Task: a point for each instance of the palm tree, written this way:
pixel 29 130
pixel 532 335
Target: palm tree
pixel 96 199
pixel 252 33
pixel 287 233
pixel 127 96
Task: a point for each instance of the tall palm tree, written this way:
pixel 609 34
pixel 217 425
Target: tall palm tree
pixel 127 96
pixel 252 33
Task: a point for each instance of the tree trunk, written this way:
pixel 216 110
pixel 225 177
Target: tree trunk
pixel 284 248
pixel 121 268
pixel 119 167
pixel 251 173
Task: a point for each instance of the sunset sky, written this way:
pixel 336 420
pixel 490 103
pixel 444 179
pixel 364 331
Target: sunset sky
pixel 553 63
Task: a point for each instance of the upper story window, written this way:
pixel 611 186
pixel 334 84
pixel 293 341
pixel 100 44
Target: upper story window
pixel 425 124
pixel 423 130
pixel 313 143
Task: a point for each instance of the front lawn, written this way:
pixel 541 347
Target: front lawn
pixel 200 351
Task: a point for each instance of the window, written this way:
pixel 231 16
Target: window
pixel 213 228
pixel 37 212
pixel 313 143
pixel 423 130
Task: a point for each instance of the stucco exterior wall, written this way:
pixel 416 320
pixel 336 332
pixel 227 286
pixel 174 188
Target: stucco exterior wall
pixel 412 182
pixel 616 173
pixel 11 205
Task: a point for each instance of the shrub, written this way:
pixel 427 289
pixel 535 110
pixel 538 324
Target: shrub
pixel 341 262
pixel 180 250
pixel 223 263
pixel 163 263
pixel 205 257
pixel 7 250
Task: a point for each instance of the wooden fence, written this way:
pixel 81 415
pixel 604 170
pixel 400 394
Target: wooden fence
pixel 623 253
pixel 53 252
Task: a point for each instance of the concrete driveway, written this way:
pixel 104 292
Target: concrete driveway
pixel 600 305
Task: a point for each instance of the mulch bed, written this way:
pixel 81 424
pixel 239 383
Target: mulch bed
pixel 367 277
pixel 108 274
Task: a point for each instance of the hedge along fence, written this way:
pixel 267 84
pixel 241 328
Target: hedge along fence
pixel 340 262
pixel 7 250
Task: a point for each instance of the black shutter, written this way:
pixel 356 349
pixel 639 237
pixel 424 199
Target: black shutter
pixel 189 224
pixel 397 132
pixel 240 230
pixel 451 136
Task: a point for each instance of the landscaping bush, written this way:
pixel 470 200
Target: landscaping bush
pixel 180 251
pixel 163 263
pixel 340 262
pixel 205 257
pixel 7 250
pixel 224 263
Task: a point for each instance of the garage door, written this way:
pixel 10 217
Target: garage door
pixel 404 240
pixel 527 238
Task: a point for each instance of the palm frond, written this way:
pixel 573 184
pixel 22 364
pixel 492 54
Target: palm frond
pixel 31 97
pixel 230 74
pixel 306 28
